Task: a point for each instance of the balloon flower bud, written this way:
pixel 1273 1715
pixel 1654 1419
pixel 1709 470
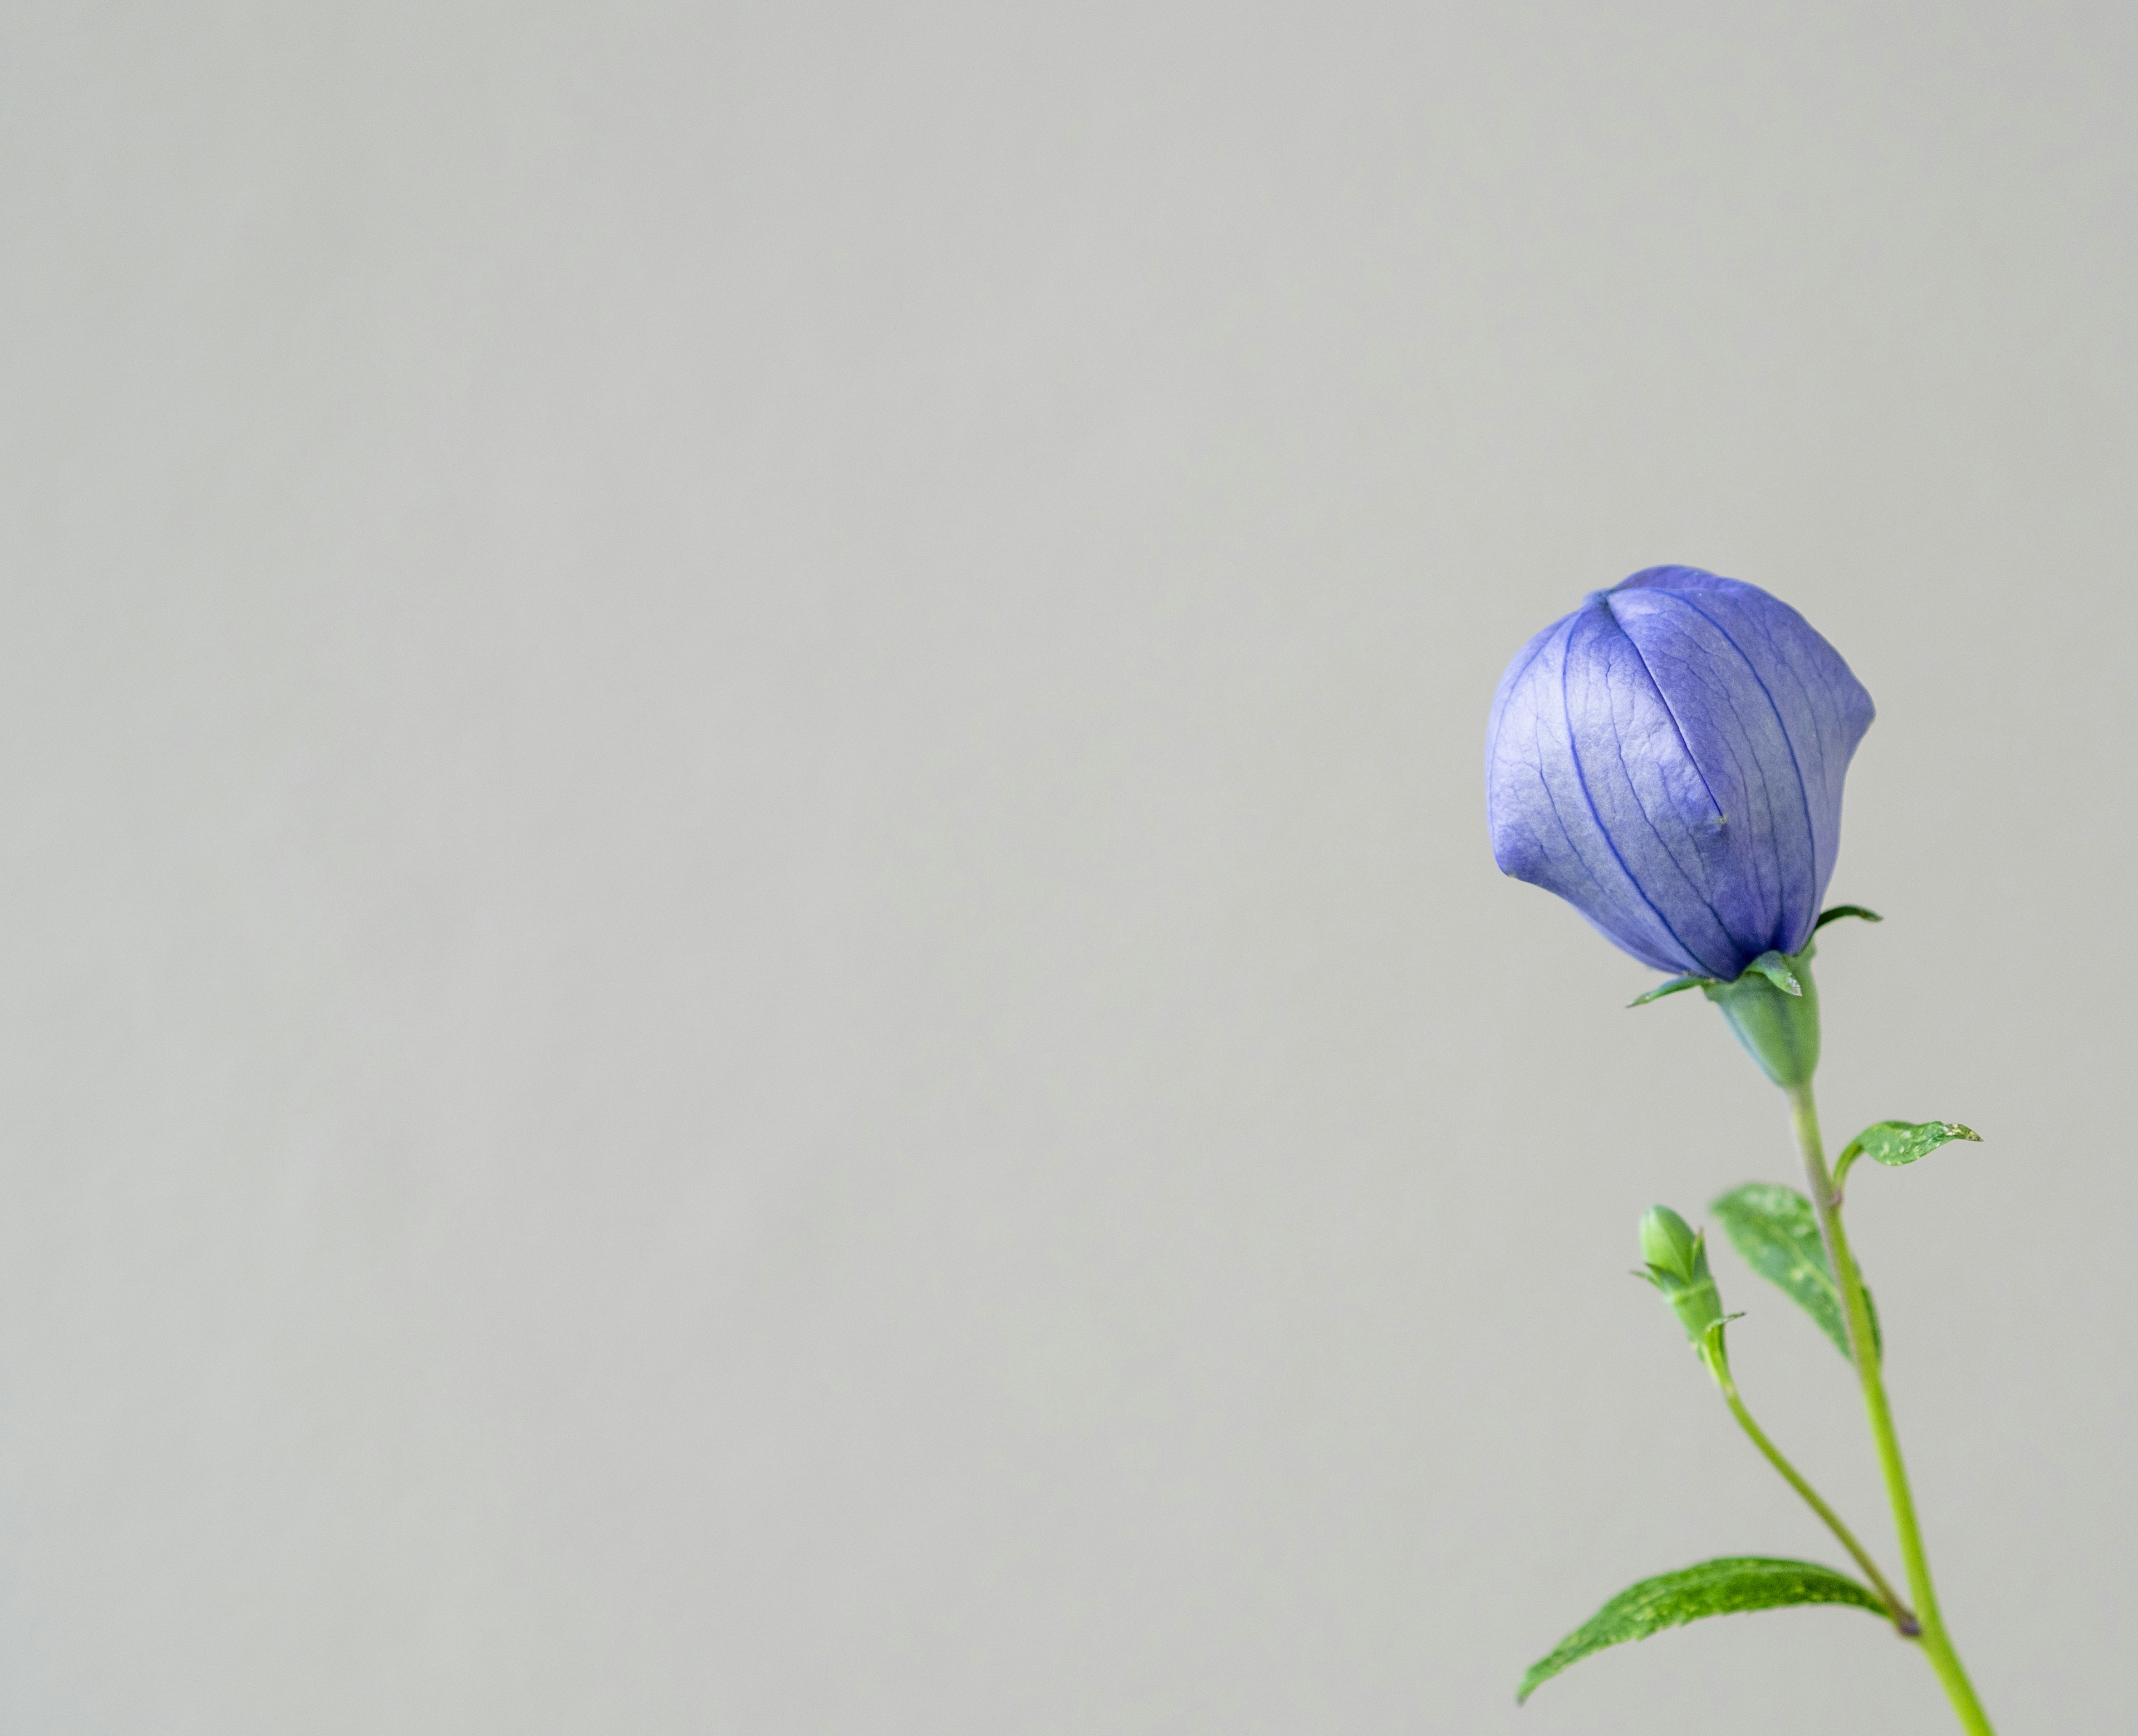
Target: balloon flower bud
pixel 1669 759
pixel 1677 1261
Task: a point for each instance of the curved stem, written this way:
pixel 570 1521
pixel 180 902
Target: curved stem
pixel 1936 1643
pixel 1904 1618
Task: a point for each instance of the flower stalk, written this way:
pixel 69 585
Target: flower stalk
pixel 1937 1645
pixel 1718 1364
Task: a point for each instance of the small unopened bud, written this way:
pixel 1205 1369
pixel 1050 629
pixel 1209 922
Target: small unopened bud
pixel 1667 1241
pixel 1676 1260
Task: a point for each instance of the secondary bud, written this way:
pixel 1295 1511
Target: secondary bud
pixel 1667 1241
pixel 1677 1261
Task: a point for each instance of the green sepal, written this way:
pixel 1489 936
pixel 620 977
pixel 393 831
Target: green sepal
pixel 1776 1232
pixel 1775 967
pixel 1774 1009
pixel 1732 1585
pixel 1697 1305
pixel 1837 911
pixel 1676 985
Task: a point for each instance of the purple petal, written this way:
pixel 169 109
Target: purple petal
pixel 1669 759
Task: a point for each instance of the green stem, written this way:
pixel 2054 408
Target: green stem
pixel 1936 1643
pixel 1904 1619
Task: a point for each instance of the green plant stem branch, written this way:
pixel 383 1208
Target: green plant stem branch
pixel 1936 1643
pixel 1904 1618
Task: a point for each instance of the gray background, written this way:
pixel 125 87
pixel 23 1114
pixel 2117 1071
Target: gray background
pixel 754 985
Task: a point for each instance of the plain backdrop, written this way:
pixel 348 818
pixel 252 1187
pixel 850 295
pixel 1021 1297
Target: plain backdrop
pixel 751 982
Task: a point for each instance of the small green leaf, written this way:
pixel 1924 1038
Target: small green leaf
pixel 1674 986
pixel 1776 1232
pixel 1735 1584
pixel 1775 967
pixel 1896 1143
pixel 1838 911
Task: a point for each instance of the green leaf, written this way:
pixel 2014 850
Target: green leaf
pixel 1670 988
pixel 1838 911
pixel 1776 1232
pixel 1734 1585
pixel 1896 1143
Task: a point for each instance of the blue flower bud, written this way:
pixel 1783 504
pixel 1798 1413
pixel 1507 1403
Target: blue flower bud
pixel 1669 759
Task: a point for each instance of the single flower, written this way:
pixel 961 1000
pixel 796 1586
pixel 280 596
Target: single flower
pixel 1668 759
